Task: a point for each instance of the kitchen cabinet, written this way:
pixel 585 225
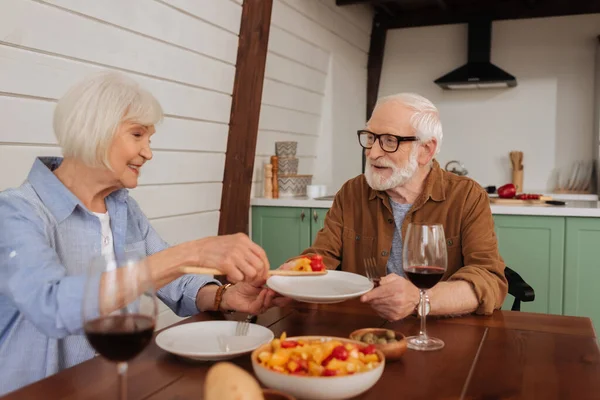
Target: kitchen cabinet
pixel 534 247
pixel 284 232
pixel 582 269
pixel 318 219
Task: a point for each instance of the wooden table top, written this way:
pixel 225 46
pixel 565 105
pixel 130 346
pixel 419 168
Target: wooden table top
pixel 509 355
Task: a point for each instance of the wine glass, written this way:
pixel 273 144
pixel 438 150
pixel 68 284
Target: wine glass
pixel 119 310
pixel 424 262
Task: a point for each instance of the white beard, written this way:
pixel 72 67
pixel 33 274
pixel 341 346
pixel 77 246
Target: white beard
pixel 400 175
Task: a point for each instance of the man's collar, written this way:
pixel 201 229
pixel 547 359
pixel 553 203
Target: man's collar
pixel 54 194
pixel 435 186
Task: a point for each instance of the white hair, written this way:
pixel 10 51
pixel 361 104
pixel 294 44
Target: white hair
pixel 426 118
pixel 87 117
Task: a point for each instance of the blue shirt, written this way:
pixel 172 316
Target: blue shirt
pixel 394 264
pixel 47 241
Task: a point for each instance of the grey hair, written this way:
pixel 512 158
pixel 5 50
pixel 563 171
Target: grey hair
pixel 425 119
pixel 87 117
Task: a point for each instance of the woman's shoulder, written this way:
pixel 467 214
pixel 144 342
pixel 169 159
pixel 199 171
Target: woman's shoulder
pixel 24 197
pixel 23 204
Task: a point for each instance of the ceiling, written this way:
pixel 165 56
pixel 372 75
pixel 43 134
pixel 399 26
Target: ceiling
pixel 411 13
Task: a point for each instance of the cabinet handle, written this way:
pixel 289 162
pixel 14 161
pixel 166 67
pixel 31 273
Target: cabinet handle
pixel 315 216
pixel 302 215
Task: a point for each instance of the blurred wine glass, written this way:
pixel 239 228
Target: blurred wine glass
pixel 119 310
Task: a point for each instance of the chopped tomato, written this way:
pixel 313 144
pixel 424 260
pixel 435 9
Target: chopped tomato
pixel 370 349
pixel 340 352
pixel 318 267
pixel 299 372
pixel 303 365
pixel 288 344
pixel 316 263
pixel 329 372
pixel 326 360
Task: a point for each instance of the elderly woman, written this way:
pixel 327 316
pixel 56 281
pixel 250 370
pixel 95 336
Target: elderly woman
pixel 72 209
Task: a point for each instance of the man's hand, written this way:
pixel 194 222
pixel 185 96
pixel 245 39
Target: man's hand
pixel 394 299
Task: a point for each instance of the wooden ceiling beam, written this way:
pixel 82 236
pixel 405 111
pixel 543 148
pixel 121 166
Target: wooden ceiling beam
pixel 442 4
pixel 374 65
pixel 245 113
pixel 495 11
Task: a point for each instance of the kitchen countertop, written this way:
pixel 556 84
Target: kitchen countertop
pixel 571 209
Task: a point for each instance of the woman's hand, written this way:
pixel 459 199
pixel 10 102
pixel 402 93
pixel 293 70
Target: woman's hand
pixel 251 298
pixel 235 255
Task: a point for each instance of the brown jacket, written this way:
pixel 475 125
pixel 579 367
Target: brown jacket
pixel 360 224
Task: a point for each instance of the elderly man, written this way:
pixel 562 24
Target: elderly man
pixel 403 183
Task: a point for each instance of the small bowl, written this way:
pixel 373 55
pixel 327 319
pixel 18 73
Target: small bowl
pixel 270 394
pixel 318 387
pixel 392 351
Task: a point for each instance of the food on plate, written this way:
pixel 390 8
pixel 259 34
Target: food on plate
pixel 309 264
pixel 528 196
pixel 226 381
pixel 318 357
pixel 507 191
pixel 388 336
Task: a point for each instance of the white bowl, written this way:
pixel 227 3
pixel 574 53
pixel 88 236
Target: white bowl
pixel 317 387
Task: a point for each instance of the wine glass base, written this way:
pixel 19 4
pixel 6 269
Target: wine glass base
pixel 424 343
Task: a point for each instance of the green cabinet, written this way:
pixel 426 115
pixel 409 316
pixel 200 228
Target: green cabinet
pixel 284 232
pixel 318 220
pixel 534 248
pixel 582 269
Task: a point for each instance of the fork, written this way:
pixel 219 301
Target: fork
pixel 242 327
pixel 371 271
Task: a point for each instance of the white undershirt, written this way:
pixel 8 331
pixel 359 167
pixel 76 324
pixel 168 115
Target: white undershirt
pixel 108 250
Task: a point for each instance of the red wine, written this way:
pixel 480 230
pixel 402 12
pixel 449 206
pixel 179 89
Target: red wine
pixel 120 337
pixel 424 277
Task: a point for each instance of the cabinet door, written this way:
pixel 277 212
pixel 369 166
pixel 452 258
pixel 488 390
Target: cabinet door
pixel 283 232
pixel 318 219
pixel 582 269
pixel 534 247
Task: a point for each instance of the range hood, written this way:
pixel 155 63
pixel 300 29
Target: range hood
pixel 478 72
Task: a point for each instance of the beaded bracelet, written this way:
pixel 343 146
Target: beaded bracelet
pixel 219 296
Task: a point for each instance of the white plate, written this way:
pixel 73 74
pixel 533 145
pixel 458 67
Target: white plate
pixel 335 287
pixel 212 340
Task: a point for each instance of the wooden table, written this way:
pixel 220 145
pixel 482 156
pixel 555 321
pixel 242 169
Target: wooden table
pixel 509 355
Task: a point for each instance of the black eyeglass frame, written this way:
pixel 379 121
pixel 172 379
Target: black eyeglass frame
pixel 378 137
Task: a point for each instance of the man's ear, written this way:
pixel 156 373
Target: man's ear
pixel 427 151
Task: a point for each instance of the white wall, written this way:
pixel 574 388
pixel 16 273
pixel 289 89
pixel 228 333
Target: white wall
pixel 315 88
pixel 183 51
pixel 548 116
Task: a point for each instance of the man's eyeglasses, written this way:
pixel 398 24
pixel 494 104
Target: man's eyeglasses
pixel 389 143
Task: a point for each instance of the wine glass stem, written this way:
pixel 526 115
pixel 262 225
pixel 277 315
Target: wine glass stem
pixel 422 303
pixel 122 369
